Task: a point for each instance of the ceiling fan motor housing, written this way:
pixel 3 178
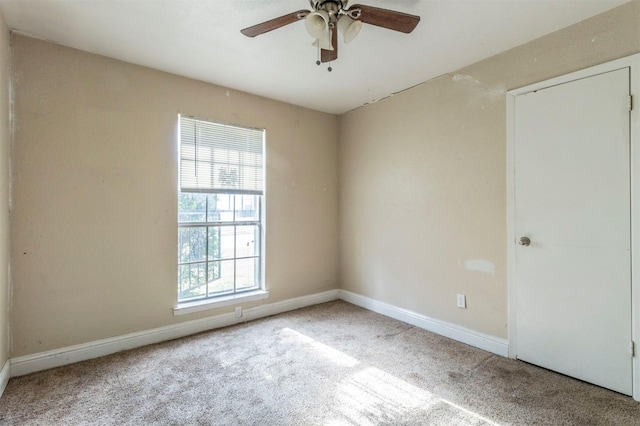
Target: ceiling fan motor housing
pixel 334 8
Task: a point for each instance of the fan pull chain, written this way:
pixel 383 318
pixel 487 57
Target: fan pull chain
pixel 318 62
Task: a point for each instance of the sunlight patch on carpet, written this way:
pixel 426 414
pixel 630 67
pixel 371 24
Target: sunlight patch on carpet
pixel 334 355
pixel 371 396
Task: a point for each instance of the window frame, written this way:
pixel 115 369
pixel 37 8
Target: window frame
pixel 232 296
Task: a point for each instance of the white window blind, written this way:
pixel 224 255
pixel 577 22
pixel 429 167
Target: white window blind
pixel 220 158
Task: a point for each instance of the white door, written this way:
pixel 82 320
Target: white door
pixel 572 201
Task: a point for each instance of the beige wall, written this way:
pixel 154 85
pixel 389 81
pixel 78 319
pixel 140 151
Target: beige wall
pixel 423 177
pixel 422 194
pixel 5 144
pixel 94 235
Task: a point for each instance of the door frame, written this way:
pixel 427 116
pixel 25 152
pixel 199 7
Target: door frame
pixel 633 62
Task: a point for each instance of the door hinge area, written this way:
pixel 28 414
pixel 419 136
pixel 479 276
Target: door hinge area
pixel 630 103
pixel 632 349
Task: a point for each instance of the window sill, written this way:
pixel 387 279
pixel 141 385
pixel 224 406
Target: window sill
pixel 219 302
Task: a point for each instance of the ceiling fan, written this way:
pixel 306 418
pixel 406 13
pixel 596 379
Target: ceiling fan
pixel 330 16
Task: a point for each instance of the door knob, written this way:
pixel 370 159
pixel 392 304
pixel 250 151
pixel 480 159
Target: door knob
pixel 524 241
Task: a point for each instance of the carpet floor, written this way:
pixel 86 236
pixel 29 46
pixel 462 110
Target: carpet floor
pixel 330 364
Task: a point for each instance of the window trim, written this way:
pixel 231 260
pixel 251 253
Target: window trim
pixel 199 305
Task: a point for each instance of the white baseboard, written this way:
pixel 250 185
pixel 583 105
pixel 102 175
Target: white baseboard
pixel 290 305
pixel 5 374
pixel 55 358
pixel 488 343
pixel 71 354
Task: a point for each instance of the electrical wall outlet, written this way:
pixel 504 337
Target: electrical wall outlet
pixel 461 300
pixel 239 312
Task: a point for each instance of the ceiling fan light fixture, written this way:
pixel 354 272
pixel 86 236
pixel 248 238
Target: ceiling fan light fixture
pixel 324 42
pixel 317 24
pixel 349 28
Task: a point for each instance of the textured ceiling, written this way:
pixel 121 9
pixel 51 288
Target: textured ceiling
pixel 201 39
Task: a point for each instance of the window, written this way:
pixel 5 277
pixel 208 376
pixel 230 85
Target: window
pixel 220 208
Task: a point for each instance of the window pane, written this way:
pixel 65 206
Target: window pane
pixel 247 241
pixel 192 244
pixel 214 272
pixel 227 245
pixel 214 243
pixel 247 207
pixel 220 207
pixel 191 207
pixel 221 274
pixel 192 281
pixel 247 273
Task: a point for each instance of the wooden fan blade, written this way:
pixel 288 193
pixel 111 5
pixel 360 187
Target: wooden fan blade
pixel 274 24
pixel 331 55
pixel 385 18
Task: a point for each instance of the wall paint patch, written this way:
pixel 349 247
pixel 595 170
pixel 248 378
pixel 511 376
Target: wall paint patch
pixel 479 265
pixel 460 77
pixel 494 92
